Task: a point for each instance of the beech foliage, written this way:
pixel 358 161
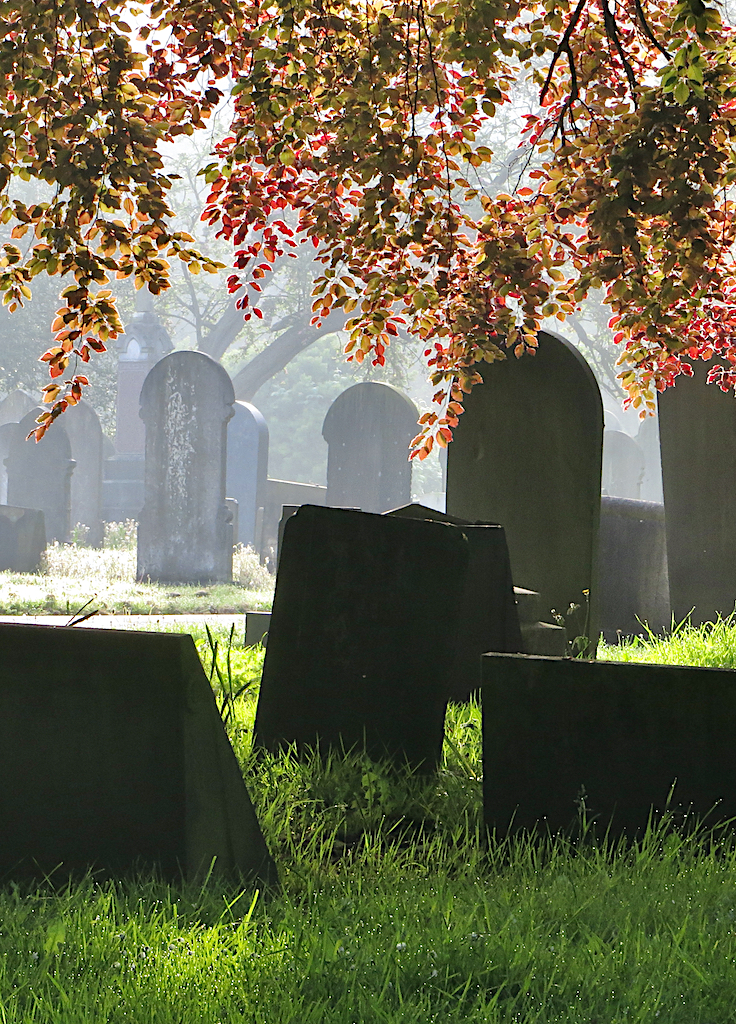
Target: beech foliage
pixel 362 127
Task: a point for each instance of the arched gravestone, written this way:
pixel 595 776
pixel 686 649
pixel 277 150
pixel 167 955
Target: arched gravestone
pixel 184 531
pixel 368 429
pixel 697 432
pixel 623 465
pixel 527 455
pixel 40 475
pixel 85 435
pixel 15 406
pixel 247 467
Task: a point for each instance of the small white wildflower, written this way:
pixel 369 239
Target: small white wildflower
pixel 34 955
pixel 434 973
pixel 400 947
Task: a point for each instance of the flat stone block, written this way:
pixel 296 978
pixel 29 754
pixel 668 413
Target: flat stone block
pixel 113 757
pixel 619 737
pixel 360 646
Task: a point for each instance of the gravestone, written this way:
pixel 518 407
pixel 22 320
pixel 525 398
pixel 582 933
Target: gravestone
pixel 368 429
pixel 247 467
pixel 279 494
pixel 623 465
pixel 648 440
pixel 357 653
pixel 22 539
pixel 632 571
pixel 527 454
pixel 114 757
pixel 184 531
pixel 144 341
pixel 8 432
pixel 697 426
pixel 15 406
pixel 488 619
pixel 560 734
pixel 39 475
pixel 85 436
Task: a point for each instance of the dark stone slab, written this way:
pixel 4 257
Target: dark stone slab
pixel 368 429
pixel 632 571
pixel 247 467
pixel 184 529
pixel 113 756
pixel 257 625
pixel 360 644
pixel 488 619
pixel 527 455
pixel 22 538
pixel 40 473
pixel 697 434
pixel 619 736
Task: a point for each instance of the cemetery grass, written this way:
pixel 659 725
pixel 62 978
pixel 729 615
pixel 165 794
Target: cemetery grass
pixel 390 910
pixel 72 575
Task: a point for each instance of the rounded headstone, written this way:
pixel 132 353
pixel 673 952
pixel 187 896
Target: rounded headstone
pixel 185 530
pixel 527 454
pixel 40 472
pixel 368 429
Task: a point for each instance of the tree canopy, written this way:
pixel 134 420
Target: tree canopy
pixel 363 126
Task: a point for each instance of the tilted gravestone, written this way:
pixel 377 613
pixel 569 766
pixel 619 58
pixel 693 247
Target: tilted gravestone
pixel 184 531
pixel 82 424
pixel 527 454
pixel 15 406
pixel 562 736
pixel 632 569
pixel 247 467
pixel 368 429
pixel 357 653
pixel 39 475
pixel 488 620
pixel 114 757
pixel 623 465
pixel 697 433
pixel 22 538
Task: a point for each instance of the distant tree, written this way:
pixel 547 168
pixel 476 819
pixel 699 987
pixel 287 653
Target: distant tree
pixel 361 127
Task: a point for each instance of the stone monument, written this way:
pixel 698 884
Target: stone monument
pixel 184 531
pixel 40 475
pixel 358 655
pixel 114 759
pixel 527 455
pixel 85 436
pixel 15 406
pixel 697 430
pixel 368 429
pixel 247 468
pixel 623 465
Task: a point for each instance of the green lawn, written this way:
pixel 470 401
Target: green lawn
pixel 391 911
pixel 71 575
